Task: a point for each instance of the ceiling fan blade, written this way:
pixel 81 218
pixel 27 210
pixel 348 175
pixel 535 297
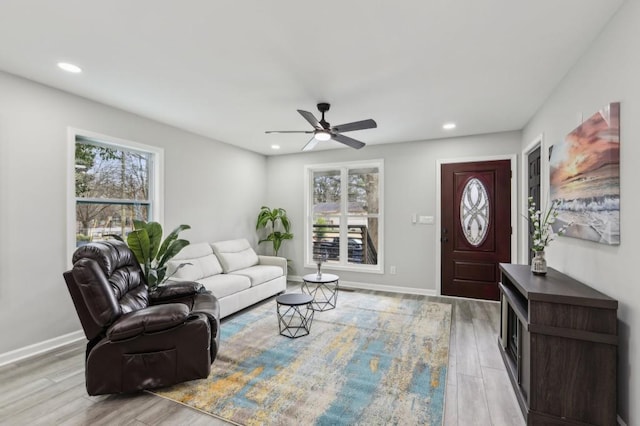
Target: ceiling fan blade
pixel 348 141
pixel 311 144
pixel 310 118
pixel 289 131
pixel 356 125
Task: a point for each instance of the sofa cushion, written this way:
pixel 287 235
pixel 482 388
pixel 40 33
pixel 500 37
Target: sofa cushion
pixel 259 274
pixel 224 285
pixel 203 263
pixel 235 254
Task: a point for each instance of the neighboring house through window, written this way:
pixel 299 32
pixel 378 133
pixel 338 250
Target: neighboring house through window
pixel 114 182
pixel 345 215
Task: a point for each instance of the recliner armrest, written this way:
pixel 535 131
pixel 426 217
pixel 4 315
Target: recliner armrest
pixel 175 290
pixel 151 319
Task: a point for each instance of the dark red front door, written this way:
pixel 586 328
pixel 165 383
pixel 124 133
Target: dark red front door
pixel 476 227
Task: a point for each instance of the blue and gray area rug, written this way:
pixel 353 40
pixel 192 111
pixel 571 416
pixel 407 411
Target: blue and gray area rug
pixel 375 359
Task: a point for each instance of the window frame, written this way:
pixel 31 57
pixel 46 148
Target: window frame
pixel 344 168
pixel 156 177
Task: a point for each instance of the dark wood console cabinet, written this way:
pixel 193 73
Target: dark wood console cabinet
pixel 558 339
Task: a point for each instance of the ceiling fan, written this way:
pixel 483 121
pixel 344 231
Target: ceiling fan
pixel 324 132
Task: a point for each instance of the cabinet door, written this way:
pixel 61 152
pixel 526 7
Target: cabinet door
pixel 573 379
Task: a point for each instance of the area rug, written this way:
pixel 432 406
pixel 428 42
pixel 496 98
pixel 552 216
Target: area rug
pixel 375 359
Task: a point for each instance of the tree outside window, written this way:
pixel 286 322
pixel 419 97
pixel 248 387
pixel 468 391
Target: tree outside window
pixel 112 187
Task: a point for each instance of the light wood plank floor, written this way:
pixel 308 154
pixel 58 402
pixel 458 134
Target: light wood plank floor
pixel 49 389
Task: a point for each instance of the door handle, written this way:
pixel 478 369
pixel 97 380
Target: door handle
pixel 444 239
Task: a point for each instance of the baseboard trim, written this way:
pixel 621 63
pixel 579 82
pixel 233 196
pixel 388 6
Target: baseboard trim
pixel 376 287
pixel 38 348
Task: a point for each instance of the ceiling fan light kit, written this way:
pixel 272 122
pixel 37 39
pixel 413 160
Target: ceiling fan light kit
pixel 323 131
pixel 322 135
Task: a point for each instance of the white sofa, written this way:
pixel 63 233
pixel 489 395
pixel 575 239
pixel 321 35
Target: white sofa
pixel 232 271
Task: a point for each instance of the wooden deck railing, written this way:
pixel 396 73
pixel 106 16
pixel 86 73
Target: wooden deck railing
pixel 360 247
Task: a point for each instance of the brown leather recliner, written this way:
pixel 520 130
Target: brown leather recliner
pixel 139 339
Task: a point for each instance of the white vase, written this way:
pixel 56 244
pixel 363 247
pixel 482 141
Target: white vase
pixel 539 263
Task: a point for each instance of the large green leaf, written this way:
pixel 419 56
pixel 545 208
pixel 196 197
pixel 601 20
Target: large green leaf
pixel 173 249
pixel 139 224
pixel 264 217
pixel 152 278
pixel 138 241
pixel 160 273
pixel 170 238
pixel 278 238
pixel 154 229
pixel 284 220
pixel 276 246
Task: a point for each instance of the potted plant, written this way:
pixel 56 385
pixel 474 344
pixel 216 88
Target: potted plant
pixel 276 221
pixel 145 241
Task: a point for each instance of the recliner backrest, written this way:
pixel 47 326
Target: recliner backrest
pixel 106 282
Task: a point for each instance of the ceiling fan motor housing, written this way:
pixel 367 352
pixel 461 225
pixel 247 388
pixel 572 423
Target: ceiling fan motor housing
pixel 323 107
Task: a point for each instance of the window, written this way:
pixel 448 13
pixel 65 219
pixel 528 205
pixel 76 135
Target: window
pixel 344 215
pixel 114 182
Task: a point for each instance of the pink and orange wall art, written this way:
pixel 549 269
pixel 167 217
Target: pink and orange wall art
pixel 584 178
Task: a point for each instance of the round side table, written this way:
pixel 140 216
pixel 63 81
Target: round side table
pixel 323 289
pixel 295 314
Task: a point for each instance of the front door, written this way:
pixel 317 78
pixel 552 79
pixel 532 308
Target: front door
pixel 476 227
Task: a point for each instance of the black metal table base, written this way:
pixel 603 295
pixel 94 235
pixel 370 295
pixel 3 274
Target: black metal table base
pixel 325 295
pixel 295 315
pixel 324 291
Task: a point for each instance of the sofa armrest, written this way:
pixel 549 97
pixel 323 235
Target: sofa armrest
pixel 175 290
pixel 275 261
pixel 148 320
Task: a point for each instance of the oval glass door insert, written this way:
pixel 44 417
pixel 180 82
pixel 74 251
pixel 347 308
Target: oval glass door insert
pixel 474 212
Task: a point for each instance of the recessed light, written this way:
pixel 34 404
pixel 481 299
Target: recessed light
pixel 275 146
pixel 69 67
pixel 449 126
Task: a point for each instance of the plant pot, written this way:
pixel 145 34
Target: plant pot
pixel 539 263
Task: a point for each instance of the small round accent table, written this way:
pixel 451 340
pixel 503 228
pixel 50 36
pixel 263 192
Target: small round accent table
pixel 295 314
pixel 323 289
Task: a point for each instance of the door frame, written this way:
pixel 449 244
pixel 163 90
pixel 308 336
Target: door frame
pixel 538 141
pixel 514 204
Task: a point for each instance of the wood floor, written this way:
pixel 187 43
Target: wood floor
pixel 49 389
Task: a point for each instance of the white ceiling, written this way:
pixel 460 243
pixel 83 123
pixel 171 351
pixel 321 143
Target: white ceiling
pixel 230 70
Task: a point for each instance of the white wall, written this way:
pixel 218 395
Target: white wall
pixel 409 187
pixel 608 72
pixel 214 187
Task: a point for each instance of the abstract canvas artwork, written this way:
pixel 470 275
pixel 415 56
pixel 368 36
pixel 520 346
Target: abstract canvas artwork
pixel 585 178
